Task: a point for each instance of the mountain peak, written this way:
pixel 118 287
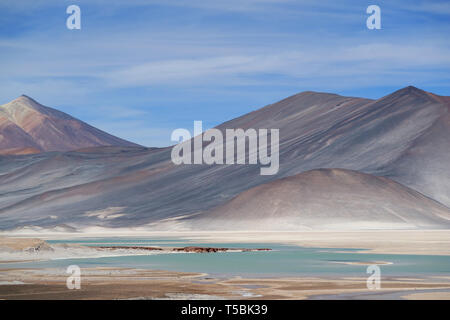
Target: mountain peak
pixel 21 104
pixel 24 96
pixel 23 108
pixel 410 90
pixel 24 99
pixel 48 129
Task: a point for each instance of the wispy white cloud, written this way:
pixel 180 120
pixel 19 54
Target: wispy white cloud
pixel 370 59
pixel 434 7
pixel 214 49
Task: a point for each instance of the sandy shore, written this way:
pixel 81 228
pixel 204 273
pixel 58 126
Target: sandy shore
pixel 17 244
pixel 115 283
pixel 31 249
pixel 428 242
pixel 428 296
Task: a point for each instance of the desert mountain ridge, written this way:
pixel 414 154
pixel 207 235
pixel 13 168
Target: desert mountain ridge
pixel 402 137
pixel 28 127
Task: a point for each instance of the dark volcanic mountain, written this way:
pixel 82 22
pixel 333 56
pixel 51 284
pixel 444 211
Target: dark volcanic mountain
pixel 403 136
pixel 29 127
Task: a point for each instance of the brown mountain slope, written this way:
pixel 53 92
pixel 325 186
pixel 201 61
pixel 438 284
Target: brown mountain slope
pixel 402 136
pixel 25 124
pixel 325 199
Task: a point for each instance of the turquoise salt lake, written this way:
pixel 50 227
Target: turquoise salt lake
pixel 283 260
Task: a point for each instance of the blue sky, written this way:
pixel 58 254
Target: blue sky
pixel 142 68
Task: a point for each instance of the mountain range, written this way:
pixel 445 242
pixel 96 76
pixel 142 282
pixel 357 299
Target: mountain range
pixel 345 162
